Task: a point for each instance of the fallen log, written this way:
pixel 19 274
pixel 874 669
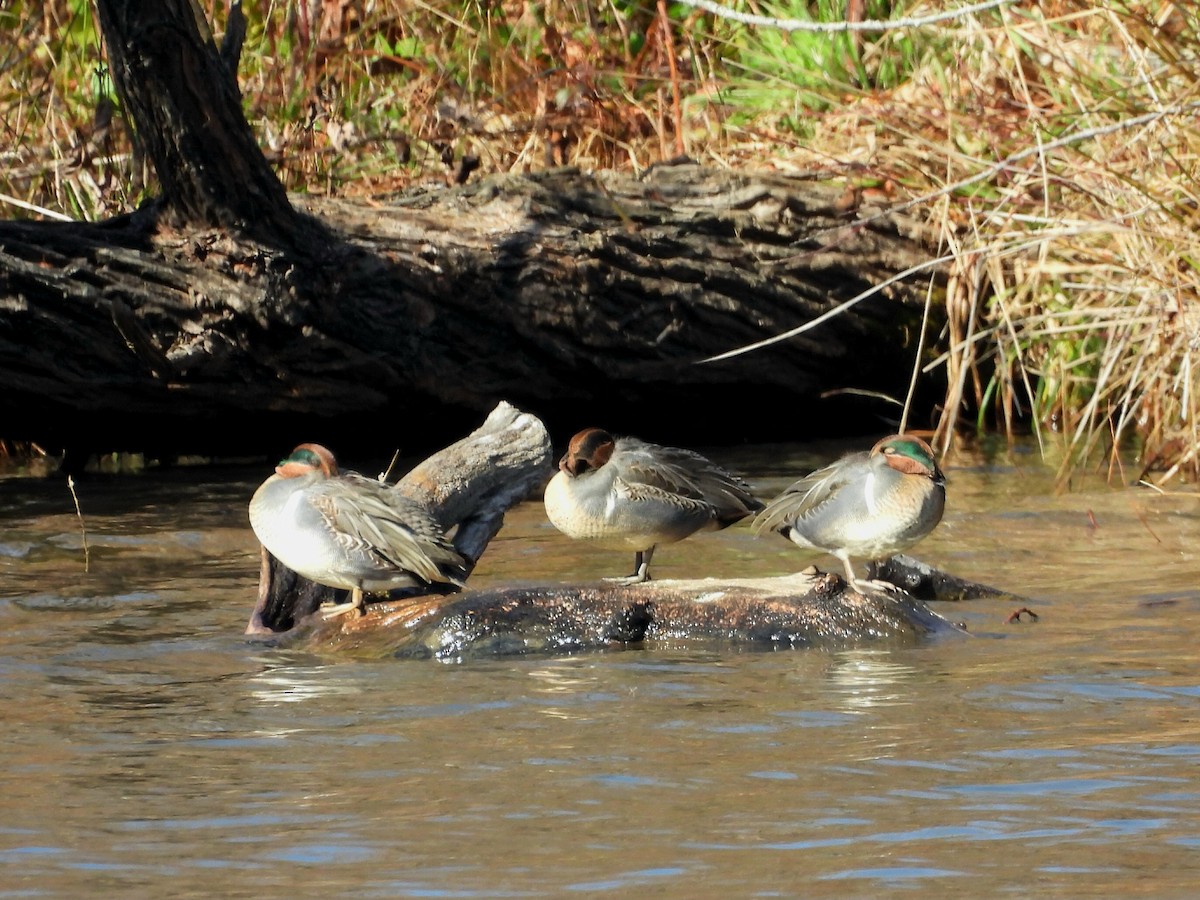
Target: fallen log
pixel 560 291
pixel 924 582
pixel 788 612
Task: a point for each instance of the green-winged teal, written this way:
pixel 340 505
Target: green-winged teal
pixel 626 494
pixel 866 505
pixel 348 531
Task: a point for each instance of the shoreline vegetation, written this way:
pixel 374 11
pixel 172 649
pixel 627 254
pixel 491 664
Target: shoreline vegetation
pixel 1052 146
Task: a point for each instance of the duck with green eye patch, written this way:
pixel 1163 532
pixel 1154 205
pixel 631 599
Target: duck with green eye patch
pixel 347 531
pixel 869 505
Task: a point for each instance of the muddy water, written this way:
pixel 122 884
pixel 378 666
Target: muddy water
pixel 149 750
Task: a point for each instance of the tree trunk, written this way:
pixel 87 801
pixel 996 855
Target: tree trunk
pixel 590 299
pixel 183 99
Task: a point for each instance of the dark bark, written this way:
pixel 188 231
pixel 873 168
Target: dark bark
pixel 183 99
pixel 589 299
pixel 927 583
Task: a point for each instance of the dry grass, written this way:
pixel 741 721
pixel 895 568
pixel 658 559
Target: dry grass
pixel 1052 145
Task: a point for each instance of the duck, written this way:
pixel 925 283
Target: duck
pixel 345 530
pixel 622 493
pixel 870 505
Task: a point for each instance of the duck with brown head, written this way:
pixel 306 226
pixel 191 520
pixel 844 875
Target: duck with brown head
pixel 348 531
pixel 869 505
pixel 627 494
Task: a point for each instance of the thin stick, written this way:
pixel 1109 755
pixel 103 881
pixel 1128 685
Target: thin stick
pixel 836 27
pixel 386 473
pixel 1067 140
pixel 30 207
pixel 669 42
pixel 87 559
pixel 837 310
pixel 916 371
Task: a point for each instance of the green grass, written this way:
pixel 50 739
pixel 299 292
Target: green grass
pixel 799 72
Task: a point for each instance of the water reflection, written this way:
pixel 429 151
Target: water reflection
pixel 299 684
pixel 866 678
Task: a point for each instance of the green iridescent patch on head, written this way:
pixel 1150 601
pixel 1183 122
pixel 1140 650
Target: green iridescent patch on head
pixel 303 456
pixel 910 455
pixel 912 447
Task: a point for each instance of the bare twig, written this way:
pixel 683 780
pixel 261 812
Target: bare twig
pixel 1066 140
pixel 82 527
pixel 836 311
pixel 837 27
pixel 387 473
pixel 33 207
pixel 669 45
pixel 916 370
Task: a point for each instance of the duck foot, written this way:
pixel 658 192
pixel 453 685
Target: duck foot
pixel 626 580
pixel 876 586
pixel 641 569
pixel 353 607
pixel 334 610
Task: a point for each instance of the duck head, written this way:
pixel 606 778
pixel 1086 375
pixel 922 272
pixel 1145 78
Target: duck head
pixel 909 455
pixel 307 459
pixel 589 449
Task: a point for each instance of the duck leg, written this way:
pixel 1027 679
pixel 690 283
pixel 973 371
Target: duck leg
pixel 866 584
pixel 354 606
pixel 641 568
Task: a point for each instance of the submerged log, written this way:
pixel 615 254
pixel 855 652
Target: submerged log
pixel 924 582
pixel 789 612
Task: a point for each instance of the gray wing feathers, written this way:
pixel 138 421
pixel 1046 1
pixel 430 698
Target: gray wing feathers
pixel 686 476
pixel 385 529
pixel 804 498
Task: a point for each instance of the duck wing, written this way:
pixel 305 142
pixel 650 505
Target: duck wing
pixel 809 496
pixel 382 528
pixel 686 476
